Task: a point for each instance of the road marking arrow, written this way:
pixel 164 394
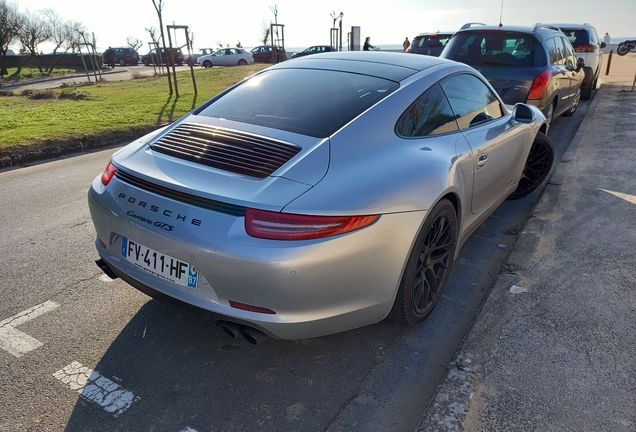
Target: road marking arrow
pixel 14 341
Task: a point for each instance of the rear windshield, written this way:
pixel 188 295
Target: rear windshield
pixel 577 38
pixel 305 101
pixel 430 41
pixel 495 48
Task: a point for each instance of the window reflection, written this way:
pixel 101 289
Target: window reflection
pixel 430 114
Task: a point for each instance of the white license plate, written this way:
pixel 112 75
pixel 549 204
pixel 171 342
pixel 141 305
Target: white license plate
pixel 160 264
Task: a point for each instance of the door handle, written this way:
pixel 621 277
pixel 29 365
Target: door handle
pixel 482 160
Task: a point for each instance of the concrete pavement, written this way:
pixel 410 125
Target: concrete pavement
pixel 554 346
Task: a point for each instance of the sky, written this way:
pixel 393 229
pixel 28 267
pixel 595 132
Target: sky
pixel 309 23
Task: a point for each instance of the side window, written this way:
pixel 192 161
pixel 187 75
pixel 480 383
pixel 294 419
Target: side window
pixel 430 114
pixel 552 48
pixel 471 100
pixel 570 59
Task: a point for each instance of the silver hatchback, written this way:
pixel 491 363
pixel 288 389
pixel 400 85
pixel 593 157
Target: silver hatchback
pixel 319 195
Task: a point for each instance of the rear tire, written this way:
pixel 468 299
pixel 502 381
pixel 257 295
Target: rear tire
pixel 536 168
pixel 428 266
pixel 122 62
pixel 586 92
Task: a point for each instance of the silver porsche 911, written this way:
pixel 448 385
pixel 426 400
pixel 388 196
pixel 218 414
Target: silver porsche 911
pixel 319 195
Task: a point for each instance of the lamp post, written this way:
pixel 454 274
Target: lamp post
pixel 340 32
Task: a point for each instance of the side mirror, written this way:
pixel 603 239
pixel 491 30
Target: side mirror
pixel 523 113
pixel 580 64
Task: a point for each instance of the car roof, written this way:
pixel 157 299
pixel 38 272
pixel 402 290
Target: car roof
pixel 389 65
pixel 516 28
pixel 436 33
pixel 568 25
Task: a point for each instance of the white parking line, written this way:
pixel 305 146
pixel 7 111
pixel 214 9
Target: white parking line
pixel 14 341
pixel 94 387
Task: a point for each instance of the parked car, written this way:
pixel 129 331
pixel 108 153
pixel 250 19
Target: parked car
pixel 536 65
pixel 587 45
pixel 264 54
pixel 226 57
pixel 161 55
pixel 192 59
pixel 124 56
pixel 292 210
pixel 429 43
pixel 314 50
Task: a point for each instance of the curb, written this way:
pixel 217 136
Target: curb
pixel 52 150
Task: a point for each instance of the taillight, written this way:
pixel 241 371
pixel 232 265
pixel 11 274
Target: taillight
pixel 540 84
pixel 585 48
pixel 287 226
pixel 108 174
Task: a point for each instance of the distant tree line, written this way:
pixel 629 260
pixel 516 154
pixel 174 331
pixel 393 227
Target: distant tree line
pixel 30 29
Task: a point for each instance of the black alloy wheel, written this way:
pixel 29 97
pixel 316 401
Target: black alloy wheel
pixel 242 62
pixel 536 168
pixel 428 267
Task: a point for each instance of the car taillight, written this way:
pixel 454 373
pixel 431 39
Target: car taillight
pixel 540 84
pixel 108 173
pixel 585 48
pixel 287 226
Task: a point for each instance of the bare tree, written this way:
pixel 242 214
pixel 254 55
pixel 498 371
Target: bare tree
pixel 63 33
pixel 10 24
pixel 74 31
pixel 159 8
pixel 134 43
pixel 274 10
pixel 35 30
pixel 265 29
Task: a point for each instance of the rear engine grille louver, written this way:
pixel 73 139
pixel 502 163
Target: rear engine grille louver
pixel 224 149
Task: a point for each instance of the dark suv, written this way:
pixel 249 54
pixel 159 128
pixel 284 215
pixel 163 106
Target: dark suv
pixel 123 56
pixel 429 43
pixel 535 65
pixel 153 56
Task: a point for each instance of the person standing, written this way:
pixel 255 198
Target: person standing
pixel 607 39
pixel 368 46
pixel 110 57
pixel 406 44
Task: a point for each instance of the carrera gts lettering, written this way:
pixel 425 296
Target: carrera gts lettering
pixel 156 209
pixel 158 224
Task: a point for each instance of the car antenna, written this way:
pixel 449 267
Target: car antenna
pixel 501 14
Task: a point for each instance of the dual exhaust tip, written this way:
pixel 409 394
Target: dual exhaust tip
pixel 235 330
pixel 250 334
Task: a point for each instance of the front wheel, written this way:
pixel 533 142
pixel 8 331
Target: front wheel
pixel 207 64
pixel 428 266
pixel 622 50
pixel 242 62
pixel 536 168
pixel 122 62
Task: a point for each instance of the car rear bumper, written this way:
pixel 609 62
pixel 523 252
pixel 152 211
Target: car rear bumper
pixel 315 288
